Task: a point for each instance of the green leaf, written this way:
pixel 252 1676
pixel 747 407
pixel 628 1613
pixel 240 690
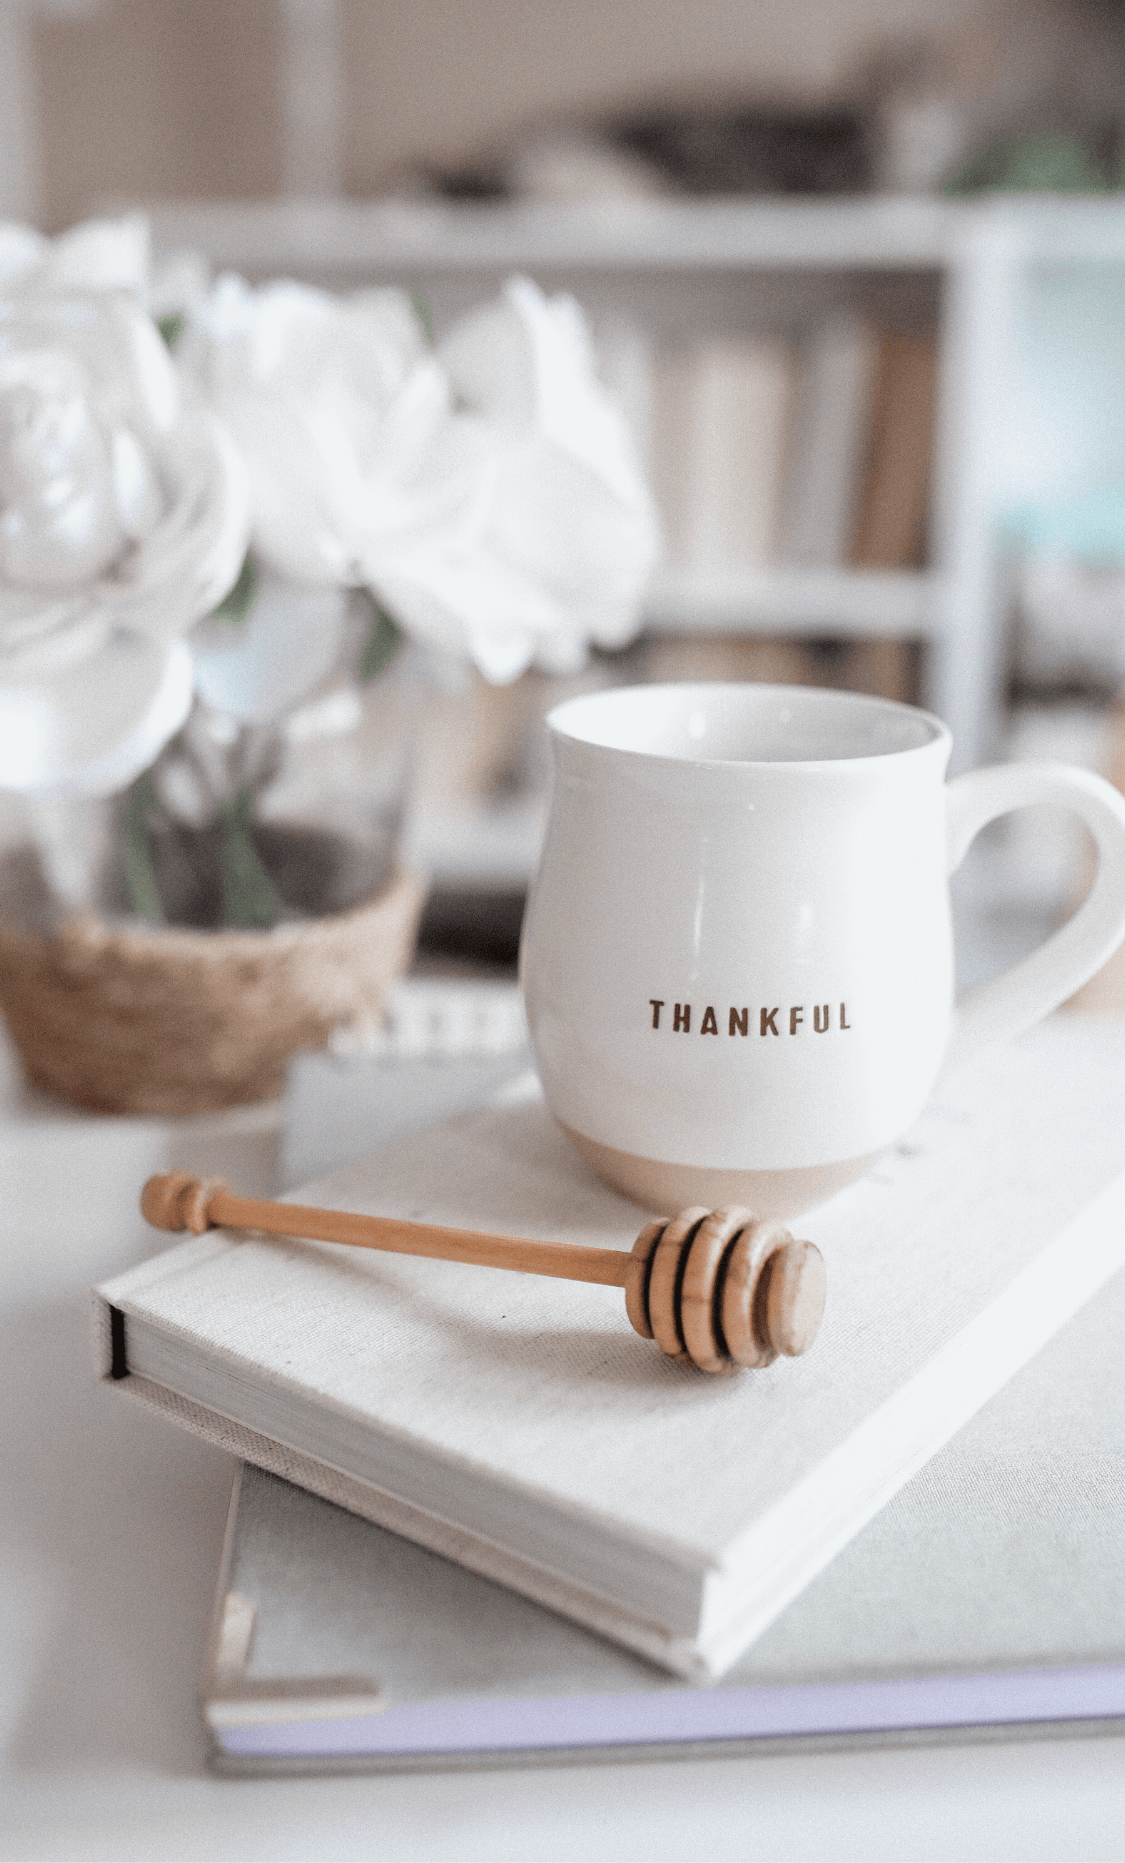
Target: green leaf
pixel 249 897
pixel 382 642
pixel 237 603
pixel 425 316
pixel 140 872
pixel 171 327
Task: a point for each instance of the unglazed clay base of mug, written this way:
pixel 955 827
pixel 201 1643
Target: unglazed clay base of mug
pixel 669 1187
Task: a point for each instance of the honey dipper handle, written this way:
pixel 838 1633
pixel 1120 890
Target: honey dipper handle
pixel 180 1201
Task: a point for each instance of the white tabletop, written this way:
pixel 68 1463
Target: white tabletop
pixel 110 1528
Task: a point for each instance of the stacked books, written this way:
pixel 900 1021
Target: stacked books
pixel 519 1430
pixel 985 1597
pixel 811 450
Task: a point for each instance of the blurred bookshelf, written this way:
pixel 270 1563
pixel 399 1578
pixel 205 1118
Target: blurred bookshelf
pixel 837 603
pixel 712 318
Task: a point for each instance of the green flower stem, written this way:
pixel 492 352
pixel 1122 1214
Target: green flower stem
pixel 140 873
pixel 249 898
pixel 382 641
pixel 236 605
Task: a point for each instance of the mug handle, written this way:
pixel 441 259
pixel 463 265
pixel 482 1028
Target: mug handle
pixel 1029 989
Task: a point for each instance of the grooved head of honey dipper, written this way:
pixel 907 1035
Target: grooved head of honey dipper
pixel 794 1297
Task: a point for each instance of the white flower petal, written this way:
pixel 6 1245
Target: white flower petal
pixel 467 601
pixel 92 729
pixel 560 523
pixel 99 255
pixel 501 654
pixel 293 524
pixel 135 487
pixel 44 630
pixel 152 381
pixel 490 358
pixel 329 402
pixel 179 281
pixel 256 669
pixel 490 495
pixel 62 544
pixel 21 252
pixel 542 559
pixel 185 566
pixel 122 521
pixel 391 315
pixel 573 410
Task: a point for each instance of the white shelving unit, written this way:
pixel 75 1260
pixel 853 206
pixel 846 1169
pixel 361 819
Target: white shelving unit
pixel 675 267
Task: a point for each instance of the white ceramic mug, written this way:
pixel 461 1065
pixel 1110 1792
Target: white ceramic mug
pixel 737 957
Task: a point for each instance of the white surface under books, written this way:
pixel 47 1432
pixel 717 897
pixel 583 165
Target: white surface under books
pixel 109 1538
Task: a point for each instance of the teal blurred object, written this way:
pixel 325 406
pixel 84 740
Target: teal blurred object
pixel 1071 367
pixel 1061 472
pixel 1049 163
pixel 1089 527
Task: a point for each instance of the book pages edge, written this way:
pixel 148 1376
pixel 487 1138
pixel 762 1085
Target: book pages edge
pixel 678 1654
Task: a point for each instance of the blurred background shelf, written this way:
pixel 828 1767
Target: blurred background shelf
pixel 659 275
pixel 352 242
pixel 1019 301
pixel 482 847
pixel 841 604
pixel 341 143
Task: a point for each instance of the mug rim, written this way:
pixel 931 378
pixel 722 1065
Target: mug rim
pixel 561 721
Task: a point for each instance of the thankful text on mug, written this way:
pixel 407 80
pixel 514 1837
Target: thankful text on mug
pixel 738 1020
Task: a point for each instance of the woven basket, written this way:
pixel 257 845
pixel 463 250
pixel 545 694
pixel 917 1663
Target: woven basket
pixel 177 1021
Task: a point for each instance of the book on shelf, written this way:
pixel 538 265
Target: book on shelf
pixel 626 358
pixel 831 441
pixel 891 532
pixel 811 455
pixel 985 1597
pixel 518 1426
pixel 720 430
pixel 671 658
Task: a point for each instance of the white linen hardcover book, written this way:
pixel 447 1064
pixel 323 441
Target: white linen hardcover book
pixel 520 1427
pixel 988 1595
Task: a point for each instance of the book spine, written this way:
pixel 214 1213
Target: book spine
pixel 720 432
pixel 831 442
pixel 106 1346
pixel 891 533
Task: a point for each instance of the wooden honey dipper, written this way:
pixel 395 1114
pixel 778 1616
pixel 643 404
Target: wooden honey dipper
pixel 716 1287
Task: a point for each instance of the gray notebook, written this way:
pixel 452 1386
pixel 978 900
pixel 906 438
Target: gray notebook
pixel 988 1595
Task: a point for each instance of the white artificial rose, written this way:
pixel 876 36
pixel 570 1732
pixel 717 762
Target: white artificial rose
pixel 98 255
pixel 557 543
pixel 258 669
pixel 488 495
pixel 330 401
pixel 123 520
